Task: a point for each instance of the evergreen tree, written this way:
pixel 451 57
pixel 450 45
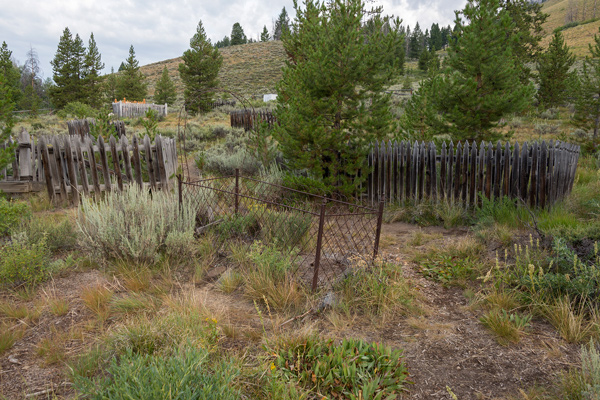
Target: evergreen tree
pixel 553 72
pixel 92 80
pixel 110 86
pixel 480 83
pixel 264 36
pixel 67 68
pixel 587 105
pixel 435 34
pixel 331 104
pixel 237 35
pixel 165 89
pixel 223 43
pixel 282 25
pixel 121 67
pixel 416 41
pixel 12 74
pixel 199 71
pixel 6 120
pixel 526 34
pixel 131 84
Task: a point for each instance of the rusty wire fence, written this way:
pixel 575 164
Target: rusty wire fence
pixel 323 237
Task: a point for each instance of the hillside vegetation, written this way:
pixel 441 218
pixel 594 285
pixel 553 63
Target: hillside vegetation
pixel 563 13
pixel 248 69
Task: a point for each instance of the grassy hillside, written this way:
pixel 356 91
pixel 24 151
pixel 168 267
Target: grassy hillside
pixel 584 12
pixel 250 69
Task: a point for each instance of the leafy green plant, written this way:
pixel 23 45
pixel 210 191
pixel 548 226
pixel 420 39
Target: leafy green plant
pixel 150 123
pixel 11 214
pixel 22 262
pixel 448 269
pixel 352 369
pixel 186 374
pixel 58 234
pixel 239 225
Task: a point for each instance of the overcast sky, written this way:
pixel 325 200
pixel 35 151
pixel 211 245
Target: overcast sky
pixel 160 30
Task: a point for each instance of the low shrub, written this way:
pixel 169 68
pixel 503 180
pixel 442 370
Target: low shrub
pixel 78 110
pixel 186 374
pixel 22 262
pixel 58 234
pixel 225 157
pixel 352 369
pixel 132 225
pixel 285 229
pixel 12 213
pixel 545 129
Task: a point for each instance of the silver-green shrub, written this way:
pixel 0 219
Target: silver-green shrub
pixel 590 367
pixel 133 225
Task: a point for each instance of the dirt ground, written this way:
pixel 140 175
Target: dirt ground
pixel 446 349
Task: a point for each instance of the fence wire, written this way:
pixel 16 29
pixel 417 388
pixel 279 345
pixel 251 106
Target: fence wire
pixel 322 237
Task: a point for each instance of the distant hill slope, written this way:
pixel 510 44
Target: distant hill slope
pixel 249 69
pixel 583 12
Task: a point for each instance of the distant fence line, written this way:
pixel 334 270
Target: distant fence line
pixel 538 173
pixel 220 103
pixel 129 110
pixel 81 127
pixel 249 119
pixel 70 165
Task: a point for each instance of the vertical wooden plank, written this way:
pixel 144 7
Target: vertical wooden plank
pixel 116 164
pixel 93 166
pixel 15 163
pixel 126 158
pixel 414 172
pixel 408 180
pixel 481 173
pixel 422 172
pixel 25 170
pixel 524 178
pixel 394 194
pixel 497 170
pixel 401 175
pixel 465 170
pixel 489 158
pixel 457 172
pixel 443 178
pixel 389 192
pixel 551 172
pixel 543 171
pixel 433 169
pixel 60 167
pixel 533 188
pixel 104 163
pixel 81 165
pixel 450 168
pixel 473 175
pixel 515 171
pixel 47 168
pixel 71 171
pixel 149 162
pixel 506 170
pixel 161 162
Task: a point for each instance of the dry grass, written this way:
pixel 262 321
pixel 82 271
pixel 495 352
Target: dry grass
pixel 97 298
pixel 9 334
pixel 20 312
pixel 569 320
pixel 52 349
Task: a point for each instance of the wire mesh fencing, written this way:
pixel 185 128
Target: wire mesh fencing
pixel 323 237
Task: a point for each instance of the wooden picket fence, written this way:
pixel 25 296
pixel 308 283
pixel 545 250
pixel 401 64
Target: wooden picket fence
pixel 538 173
pixel 69 165
pixel 81 127
pixel 249 119
pixel 130 110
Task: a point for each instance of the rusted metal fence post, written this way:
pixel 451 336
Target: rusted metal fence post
pixel 237 190
pixel 180 193
pixel 319 245
pixel 378 233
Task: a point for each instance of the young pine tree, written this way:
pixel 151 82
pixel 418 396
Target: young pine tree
pixel 68 70
pixel 237 35
pixel 587 105
pixel 92 80
pixel 199 71
pixel 331 104
pixel 264 36
pixel 12 74
pixel 165 89
pixel 6 121
pixel 481 82
pixel 553 72
pixel 282 25
pixel 132 83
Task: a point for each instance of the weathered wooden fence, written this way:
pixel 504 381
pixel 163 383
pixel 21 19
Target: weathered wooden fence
pixel 219 103
pixel 69 165
pixel 81 127
pixel 128 110
pixel 538 173
pixel 249 119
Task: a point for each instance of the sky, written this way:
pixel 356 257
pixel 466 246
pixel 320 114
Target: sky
pixel 161 30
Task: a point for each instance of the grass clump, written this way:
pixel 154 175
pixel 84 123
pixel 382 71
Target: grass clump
pixel 509 327
pixel 58 233
pixel 133 225
pixel 12 213
pixel 352 369
pixel 24 263
pixel 268 277
pixel 185 374
pixel 374 290
pixel 9 334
